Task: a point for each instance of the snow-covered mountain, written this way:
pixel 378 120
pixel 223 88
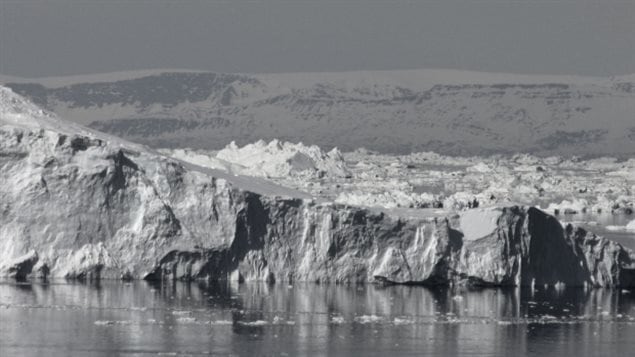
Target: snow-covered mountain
pixel 451 112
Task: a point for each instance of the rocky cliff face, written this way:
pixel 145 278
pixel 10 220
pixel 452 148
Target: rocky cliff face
pixel 86 206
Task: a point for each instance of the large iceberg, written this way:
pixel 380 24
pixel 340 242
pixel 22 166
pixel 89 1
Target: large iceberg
pixel 80 204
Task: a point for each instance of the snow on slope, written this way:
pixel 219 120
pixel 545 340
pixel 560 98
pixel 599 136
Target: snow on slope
pixel 451 112
pixel 16 111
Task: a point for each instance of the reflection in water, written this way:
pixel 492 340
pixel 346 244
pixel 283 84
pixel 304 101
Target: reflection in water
pixel 309 319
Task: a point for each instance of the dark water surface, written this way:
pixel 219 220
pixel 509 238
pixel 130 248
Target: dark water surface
pixel 113 318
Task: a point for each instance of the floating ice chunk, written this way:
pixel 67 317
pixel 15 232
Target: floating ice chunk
pixel 104 322
pixel 181 312
pixel 367 319
pixel 480 167
pixel 221 322
pixel 201 158
pixel 630 227
pixel 283 159
pixel 569 207
pixel 111 322
pixel 337 320
pixel 277 320
pixel 402 321
pixel 254 323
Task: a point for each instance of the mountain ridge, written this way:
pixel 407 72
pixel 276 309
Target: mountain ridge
pixel 448 74
pixel 451 112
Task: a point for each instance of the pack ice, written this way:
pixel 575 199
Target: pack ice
pixel 79 204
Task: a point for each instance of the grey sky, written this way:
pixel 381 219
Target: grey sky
pixel 60 37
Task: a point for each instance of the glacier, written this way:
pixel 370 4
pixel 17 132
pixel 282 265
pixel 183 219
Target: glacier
pixel 80 204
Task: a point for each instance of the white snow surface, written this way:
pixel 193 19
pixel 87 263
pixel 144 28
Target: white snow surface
pixel 477 224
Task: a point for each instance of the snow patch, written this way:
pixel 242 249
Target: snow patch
pixel 479 223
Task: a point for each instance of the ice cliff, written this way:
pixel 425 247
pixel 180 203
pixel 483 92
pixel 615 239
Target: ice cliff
pixel 79 204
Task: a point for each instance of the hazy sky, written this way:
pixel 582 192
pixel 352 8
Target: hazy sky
pixel 60 37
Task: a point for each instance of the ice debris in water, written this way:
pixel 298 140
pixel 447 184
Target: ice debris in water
pixel 366 319
pixel 180 312
pixel 112 322
pixel 402 321
pixel 282 159
pixel 630 227
pixel 254 323
pixel 186 319
pixel 221 322
pixel 337 320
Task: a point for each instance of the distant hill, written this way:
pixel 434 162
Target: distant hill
pixel 451 112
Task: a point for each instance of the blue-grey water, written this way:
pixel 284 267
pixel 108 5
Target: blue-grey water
pixel 114 318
